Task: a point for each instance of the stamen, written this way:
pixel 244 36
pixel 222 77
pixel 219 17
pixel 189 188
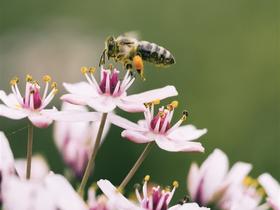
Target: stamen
pixel 28 78
pixel 111 67
pixel 47 78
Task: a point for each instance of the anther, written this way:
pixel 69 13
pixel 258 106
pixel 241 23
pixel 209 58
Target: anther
pixel 84 70
pixel 47 78
pixel 156 102
pixel 54 85
pixel 92 70
pixel 14 81
pixel 147 178
pixel 175 184
pixel 137 186
pixel 111 67
pixel 185 115
pixel 28 78
pixel 172 105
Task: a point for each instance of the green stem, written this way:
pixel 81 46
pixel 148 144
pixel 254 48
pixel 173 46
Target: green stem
pixel 136 166
pixel 93 155
pixel 29 150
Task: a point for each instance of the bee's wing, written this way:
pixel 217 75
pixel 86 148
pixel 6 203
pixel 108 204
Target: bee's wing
pixel 132 34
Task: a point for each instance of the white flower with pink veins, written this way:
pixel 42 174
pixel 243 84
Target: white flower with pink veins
pixel 31 104
pixel 214 183
pixel 158 128
pixel 111 92
pixel 157 199
pixel 272 189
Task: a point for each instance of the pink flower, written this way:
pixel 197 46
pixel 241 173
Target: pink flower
pixel 111 92
pixel 32 104
pixel 75 140
pixel 272 189
pixel 158 128
pixel 156 200
pixel 214 183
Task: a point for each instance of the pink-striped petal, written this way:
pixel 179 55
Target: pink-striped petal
pixel 136 136
pixel 40 120
pixel 148 96
pixel 186 133
pixel 124 123
pixel 81 88
pixel 172 146
pixel 117 199
pixel 15 114
pixel 131 106
pixel 74 99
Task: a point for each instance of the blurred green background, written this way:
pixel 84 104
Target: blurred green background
pixel 227 74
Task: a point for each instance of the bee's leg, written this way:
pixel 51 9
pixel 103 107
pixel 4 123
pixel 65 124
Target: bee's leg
pixel 102 58
pixel 139 66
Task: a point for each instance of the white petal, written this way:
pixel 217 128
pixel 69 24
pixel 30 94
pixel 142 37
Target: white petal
pixel 193 180
pixel 237 173
pixel 188 206
pixel 81 88
pixel 74 99
pixel 63 194
pixel 136 136
pixel 148 96
pixel 39 167
pixel 6 156
pixel 124 123
pixel 15 114
pixel 271 186
pixel 117 199
pixel 25 195
pixel 10 100
pixel 186 133
pixel 102 103
pixel 39 119
pixel 73 116
pixel 131 106
pixel 179 146
pixel 212 174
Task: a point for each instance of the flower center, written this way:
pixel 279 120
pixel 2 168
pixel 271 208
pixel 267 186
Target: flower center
pixel 32 98
pixel 155 199
pixel 109 84
pixel 161 123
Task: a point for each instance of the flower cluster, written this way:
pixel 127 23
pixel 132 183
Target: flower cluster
pixel 87 113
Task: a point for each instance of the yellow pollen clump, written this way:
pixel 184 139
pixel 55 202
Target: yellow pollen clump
pixel 175 184
pixel 28 78
pixel 167 189
pixel 92 70
pixel 47 78
pixel 84 70
pixel 147 178
pixel 172 105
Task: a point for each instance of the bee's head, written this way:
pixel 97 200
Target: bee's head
pixel 111 46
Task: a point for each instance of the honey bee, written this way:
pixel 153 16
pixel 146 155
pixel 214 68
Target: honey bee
pixel 131 53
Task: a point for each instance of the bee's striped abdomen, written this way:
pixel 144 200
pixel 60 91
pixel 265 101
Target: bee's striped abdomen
pixel 154 53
